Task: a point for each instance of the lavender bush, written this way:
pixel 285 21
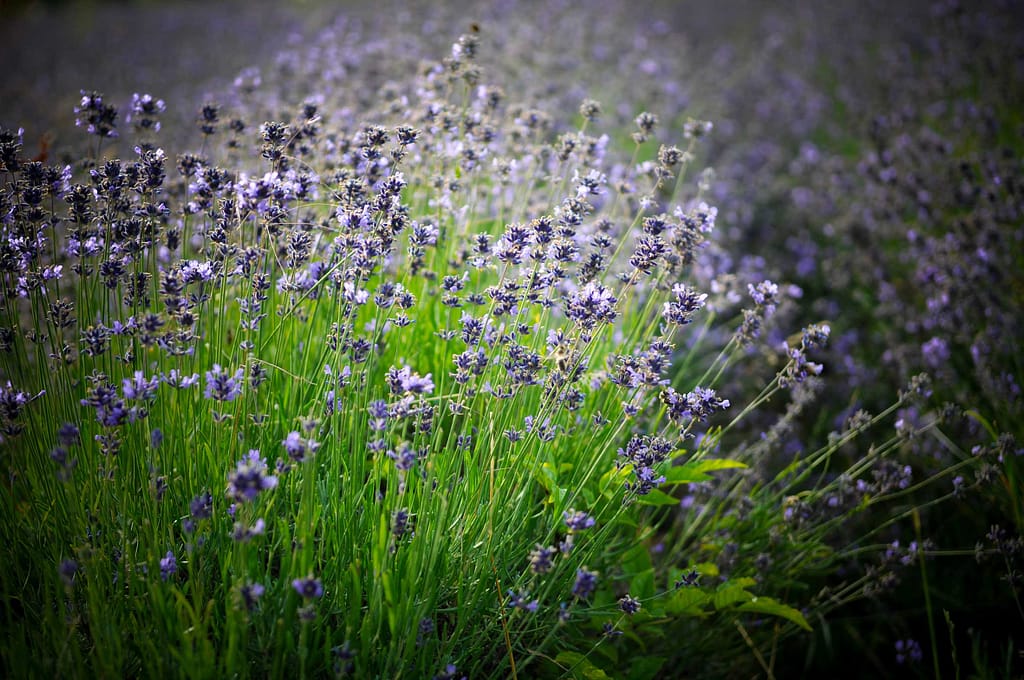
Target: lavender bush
pixel 439 362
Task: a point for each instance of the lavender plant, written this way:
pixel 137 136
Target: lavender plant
pixel 419 379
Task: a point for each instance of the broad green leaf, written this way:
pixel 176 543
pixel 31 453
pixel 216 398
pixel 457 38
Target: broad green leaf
pixel 612 481
pixel 687 602
pixel 730 595
pixel 709 569
pixel 547 477
pixel 696 471
pixel 685 474
pixel 581 667
pixel 712 464
pixel 642 585
pixel 556 495
pixel 742 582
pixel 636 559
pixel 772 607
pixel 646 668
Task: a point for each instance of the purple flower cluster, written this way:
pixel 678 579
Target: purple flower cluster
pixel 643 454
pixel 693 407
pixel 590 305
pixel 249 478
pixel 220 386
pixel 308 588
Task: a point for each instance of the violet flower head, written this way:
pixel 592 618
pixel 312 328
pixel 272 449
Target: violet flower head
pixel 591 304
pixel 586 583
pixel 542 559
pixel 250 594
pixel 643 453
pixel 67 570
pixel 145 111
pixel 222 387
pixel 695 406
pixel 300 450
pixel 450 672
pixel 378 411
pixel 765 295
pixel 201 507
pixel 168 566
pixel 174 378
pixel 577 520
pixel 935 352
pixel 684 303
pixel 629 605
pixel 96 117
pixel 309 588
pixel 521 600
pixel 137 387
pixel 249 478
pixel 908 650
pixel 404 381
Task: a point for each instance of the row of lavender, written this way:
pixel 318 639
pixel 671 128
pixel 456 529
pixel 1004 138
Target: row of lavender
pixel 900 219
pixel 403 378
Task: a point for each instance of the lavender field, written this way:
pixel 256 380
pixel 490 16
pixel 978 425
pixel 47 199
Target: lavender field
pixel 514 340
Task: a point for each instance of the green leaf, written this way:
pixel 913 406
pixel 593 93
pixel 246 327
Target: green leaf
pixel 712 464
pixel 687 602
pixel 611 481
pixel 655 497
pixel 696 471
pixel 731 594
pixel 642 585
pixel 772 607
pixel 636 559
pixel 580 667
pixel 685 474
pixel 709 569
pixel 645 668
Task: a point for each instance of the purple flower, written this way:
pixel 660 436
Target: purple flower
pixel 69 434
pixel 586 582
pixel 249 478
pixel 449 673
pixel 176 379
pixel 378 411
pixel 168 566
pixel 591 304
pixel 144 112
pixel 541 559
pixel 685 301
pixel 194 270
pixel 695 406
pixel 908 650
pixel 521 600
pixel 629 605
pixel 243 534
pixel 958 486
pixel 405 381
pixel 201 506
pixel 309 588
pixel 400 523
pixel 222 387
pixel 577 520
pixel 299 449
pixel 935 352
pixel 67 571
pixel 764 295
pixel 96 117
pixel 643 453
pixel 251 594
